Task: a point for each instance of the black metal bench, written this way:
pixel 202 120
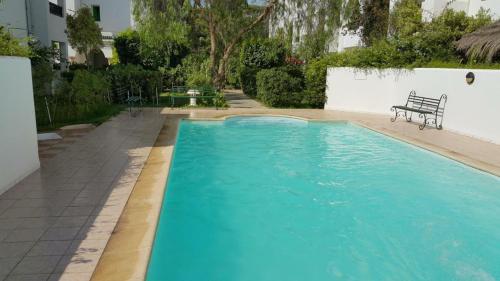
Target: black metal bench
pixel 430 109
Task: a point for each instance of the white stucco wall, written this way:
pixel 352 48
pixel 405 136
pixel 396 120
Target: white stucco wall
pixel 18 136
pixel 116 15
pixel 471 109
pixel 13 17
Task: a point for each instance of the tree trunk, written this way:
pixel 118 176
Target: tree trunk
pixel 213 44
pixel 219 77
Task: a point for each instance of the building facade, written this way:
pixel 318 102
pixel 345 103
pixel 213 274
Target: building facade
pixel 342 40
pixel 290 22
pixel 113 16
pixel 43 20
pixel 433 8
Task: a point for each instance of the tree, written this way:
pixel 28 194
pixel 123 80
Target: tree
pixel 226 23
pixel 127 44
pixel 372 22
pixel 375 20
pixel 84 34
pixel 10 46
pixel 164 30
pixel 406 18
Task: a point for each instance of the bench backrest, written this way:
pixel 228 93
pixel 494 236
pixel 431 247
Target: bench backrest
pixel 424 103
pixel 121 94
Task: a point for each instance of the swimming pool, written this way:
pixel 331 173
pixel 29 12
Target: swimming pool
pixel 266 198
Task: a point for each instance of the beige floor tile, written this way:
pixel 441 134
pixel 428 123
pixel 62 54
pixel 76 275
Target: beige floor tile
pixel 4 233
pixel 53 194
pixel 41 202
pixel 77 221
pixel 73 211
pixel 28 277
pixel 42 222
pixel 38 212
pixel 24 235
pixel 79 263
pixel 70 277
pixel 86 247
pixel 5 204
pixel 36 265
pixel 15 249
pixel 7 264
pixel 9 224
pixel 49 248
pixel 60 234
pixel 96 232
pixel 111 210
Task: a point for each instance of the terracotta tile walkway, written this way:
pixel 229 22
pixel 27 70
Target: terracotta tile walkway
pixel 55 224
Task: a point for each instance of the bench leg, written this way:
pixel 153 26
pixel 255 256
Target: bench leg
pixel 396 114
pixel 422 126
pixel 408 119
pixel 440 126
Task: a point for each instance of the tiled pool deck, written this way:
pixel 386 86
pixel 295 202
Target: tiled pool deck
pixel 55 224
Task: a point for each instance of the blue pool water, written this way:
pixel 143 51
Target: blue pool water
pixel 277 199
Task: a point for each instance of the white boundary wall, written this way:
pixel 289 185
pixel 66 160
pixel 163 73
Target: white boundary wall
pixel 18 136
pixel 472 110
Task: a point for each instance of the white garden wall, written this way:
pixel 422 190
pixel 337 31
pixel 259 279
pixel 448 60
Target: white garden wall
pixel 18 136
pixel 472 110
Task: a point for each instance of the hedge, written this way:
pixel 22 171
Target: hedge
pixel 257 54
pixel 276 87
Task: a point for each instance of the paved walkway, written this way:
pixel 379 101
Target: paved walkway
pixel 55 224
pixel 236 99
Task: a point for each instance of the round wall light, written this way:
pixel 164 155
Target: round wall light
pixel 470 77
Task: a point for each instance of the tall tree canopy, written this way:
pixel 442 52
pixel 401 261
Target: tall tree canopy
pixel 163 28
pixel 84 34
pixel 369 18
pixel 224 24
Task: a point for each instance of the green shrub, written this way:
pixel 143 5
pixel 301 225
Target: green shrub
pixel 197 71
pixel 127 44
pixel 263 53
pixel 10 46
pixel 278 88
pixel 248 80
pixel 233 73
pixel 78 66
pixel 220 101
pixel 134 78
pixel 256 54
pixel 84 99
pixel 88 87
pixel 174 76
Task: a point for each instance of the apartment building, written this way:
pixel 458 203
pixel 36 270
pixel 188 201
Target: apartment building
pixel 44 20
pixel 344 40
pixel 113 16
pixel 433 8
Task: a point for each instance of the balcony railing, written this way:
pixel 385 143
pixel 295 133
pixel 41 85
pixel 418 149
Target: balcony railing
pixel 56 9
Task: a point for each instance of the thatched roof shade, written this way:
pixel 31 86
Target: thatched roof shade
pixel 483 43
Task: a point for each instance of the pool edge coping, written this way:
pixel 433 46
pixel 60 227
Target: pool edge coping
pixel 127 253
pixel 119 262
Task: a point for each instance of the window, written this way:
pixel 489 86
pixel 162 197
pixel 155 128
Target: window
pixel 96 13
pixel 55 9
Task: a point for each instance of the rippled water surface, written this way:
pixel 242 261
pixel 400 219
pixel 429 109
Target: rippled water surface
pixel 276 199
